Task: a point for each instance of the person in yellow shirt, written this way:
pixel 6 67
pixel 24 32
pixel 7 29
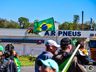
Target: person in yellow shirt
pixel 83 51
pixel 82 54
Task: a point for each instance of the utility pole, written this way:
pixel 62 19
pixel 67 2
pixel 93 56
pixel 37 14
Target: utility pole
pixel 82 20
pixel 91 21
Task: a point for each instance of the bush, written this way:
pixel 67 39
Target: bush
pixel 27 60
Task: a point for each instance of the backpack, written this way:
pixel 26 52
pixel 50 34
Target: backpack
pixel 10 66
pixel 3 67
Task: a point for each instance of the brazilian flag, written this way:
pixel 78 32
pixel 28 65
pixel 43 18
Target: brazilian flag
pixel 66 64
pixel 44 25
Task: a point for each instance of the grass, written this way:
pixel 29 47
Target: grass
pixel 27 60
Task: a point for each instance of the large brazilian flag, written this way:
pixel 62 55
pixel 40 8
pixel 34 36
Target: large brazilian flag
pixel 44 25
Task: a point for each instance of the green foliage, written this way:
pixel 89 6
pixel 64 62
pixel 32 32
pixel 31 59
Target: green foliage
pixel 11 24
pixel 76 26
pixel 76 19
pixel 27 60
pixel 66 26
pixel 8 24
pixel 23 22
pixel 75 22
pixel 2 23
pixel 63 26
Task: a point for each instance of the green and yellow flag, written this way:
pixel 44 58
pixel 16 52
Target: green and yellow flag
pixel 44 25
pixel 66 64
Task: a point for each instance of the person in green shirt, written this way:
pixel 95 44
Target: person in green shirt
pixel 17 61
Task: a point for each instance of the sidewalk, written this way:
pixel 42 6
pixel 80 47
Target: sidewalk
pixel 27 69
pixel 89 68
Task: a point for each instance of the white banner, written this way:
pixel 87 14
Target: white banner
pixel 69 33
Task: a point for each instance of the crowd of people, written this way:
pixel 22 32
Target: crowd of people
pixel 55 57
pixel 9 61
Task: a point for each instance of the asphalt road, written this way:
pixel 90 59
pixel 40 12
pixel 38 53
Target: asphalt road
pixel 89 68
pixel 27 69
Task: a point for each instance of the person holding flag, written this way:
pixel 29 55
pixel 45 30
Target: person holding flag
pixel 65 55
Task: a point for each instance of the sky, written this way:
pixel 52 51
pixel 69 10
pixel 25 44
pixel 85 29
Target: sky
pixel 60 10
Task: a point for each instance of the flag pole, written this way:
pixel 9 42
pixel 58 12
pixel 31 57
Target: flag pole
pixel 70 59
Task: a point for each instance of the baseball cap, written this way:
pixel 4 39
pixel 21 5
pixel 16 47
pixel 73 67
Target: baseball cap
pixel 50 63
pixel 52 43
pixel 1 48
pixel 65 41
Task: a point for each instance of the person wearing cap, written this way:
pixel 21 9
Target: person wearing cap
pixel 65 53
pixel 51 47
pixel 1 59
pixel 49 65
pixel 1 52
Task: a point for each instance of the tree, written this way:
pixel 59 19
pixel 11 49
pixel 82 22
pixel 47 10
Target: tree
pixel 71 26
pixel 63 26
pixel 86 25
pixel 2 23
pixel 66 26
pixel 24 22
pixel 11 24
pixel 8 24
pixel 75 21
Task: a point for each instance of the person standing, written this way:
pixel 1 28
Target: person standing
pixel 49 65
pixel 9 58
pixel 83 54
pixel 1 59
pixel 51 47
pixel 17 61
pixel 64 55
